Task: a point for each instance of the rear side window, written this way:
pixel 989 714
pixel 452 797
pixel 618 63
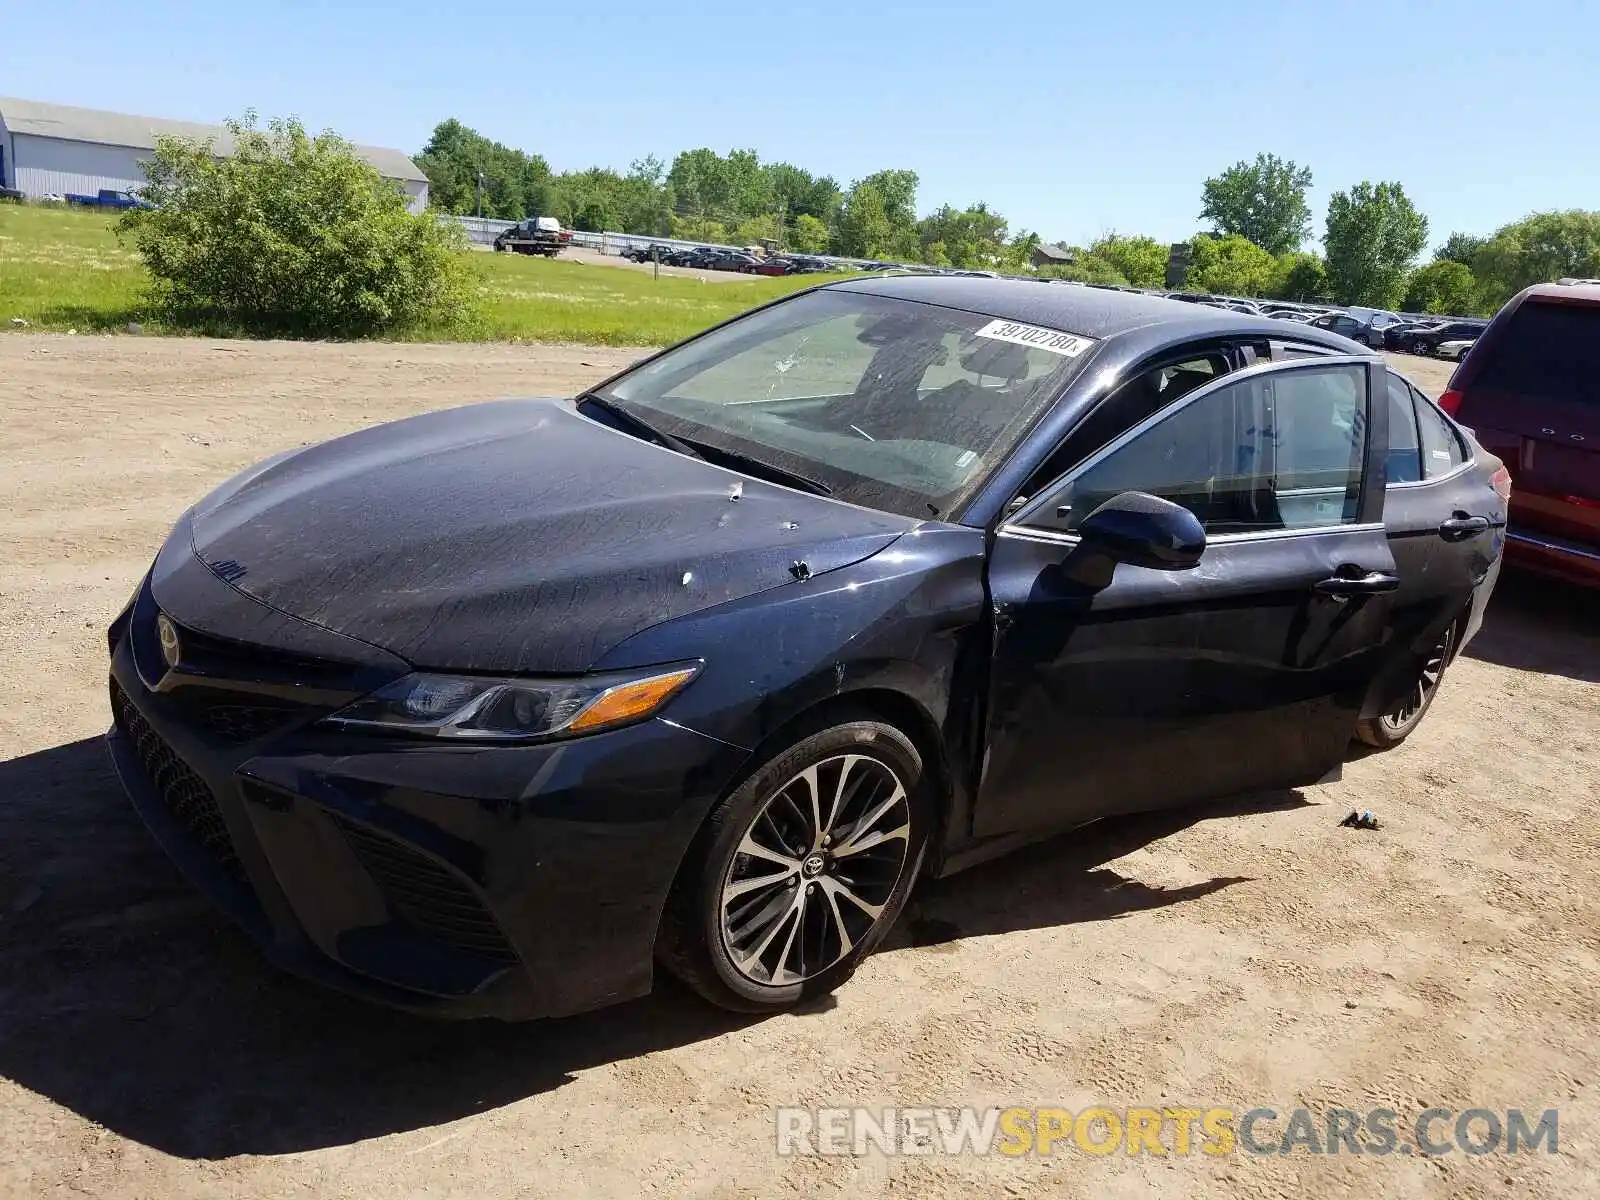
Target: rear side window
pixel 1442 448
pixel 1405 454
pixel 1547 350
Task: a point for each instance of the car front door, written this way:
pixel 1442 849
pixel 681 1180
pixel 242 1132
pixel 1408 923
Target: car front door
pixel 1151 687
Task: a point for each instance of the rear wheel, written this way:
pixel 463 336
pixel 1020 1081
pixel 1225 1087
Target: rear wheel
pixel 1419 347
pixel 800 872
pixel 1394 726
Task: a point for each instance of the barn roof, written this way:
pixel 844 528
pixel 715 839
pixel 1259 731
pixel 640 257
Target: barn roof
pixel 72 124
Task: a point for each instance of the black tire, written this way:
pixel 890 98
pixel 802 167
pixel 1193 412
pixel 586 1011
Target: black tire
pixel 699 924
pixel 1419 348
pixel 1395 726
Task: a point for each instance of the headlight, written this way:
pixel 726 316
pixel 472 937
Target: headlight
pixel 474 708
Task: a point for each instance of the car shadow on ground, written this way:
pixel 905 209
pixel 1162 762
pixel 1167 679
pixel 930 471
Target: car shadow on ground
pixel 1542 625
pixel 1066 880
pixel 126 999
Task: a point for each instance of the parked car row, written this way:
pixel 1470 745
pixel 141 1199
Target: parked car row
pixel 1430 336
pixel 722 258
pixel 1410 333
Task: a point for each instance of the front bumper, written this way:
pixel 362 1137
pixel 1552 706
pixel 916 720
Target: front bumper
pixel 464 881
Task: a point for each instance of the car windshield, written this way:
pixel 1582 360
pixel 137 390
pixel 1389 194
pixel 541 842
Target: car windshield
pixel 891 404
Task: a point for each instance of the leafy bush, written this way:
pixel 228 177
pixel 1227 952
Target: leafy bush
pixel 1300 276
pixel 1142 261
pixel 1086 269
pixel 1232 265
pixel 1446 287
pixel 810 235
pixel 290 234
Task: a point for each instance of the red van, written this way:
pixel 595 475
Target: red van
pixel 1530 391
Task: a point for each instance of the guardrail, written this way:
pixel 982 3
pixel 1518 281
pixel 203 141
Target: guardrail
pixel 479 230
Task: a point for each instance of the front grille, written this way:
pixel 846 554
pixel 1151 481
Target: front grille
pixel 427 894
pixel 184 793
pixel 235 692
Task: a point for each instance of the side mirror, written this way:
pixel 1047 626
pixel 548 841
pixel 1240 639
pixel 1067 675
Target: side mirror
pixel 1145 531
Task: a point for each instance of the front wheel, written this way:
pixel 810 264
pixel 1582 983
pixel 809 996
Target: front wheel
pixel 801 871
pixel 1419 348
pixel 1393 727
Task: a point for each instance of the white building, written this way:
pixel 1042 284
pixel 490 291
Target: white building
pixel 47 148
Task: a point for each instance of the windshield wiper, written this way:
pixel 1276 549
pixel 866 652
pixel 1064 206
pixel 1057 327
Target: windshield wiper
pixel 707 451
pixel 758 466
pixel 639 425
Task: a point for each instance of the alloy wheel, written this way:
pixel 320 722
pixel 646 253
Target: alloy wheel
pixel 1409 711
pixel 815 869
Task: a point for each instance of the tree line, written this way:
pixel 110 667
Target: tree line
pixel 1258 220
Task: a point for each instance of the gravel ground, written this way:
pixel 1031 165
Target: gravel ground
pixel 1247 954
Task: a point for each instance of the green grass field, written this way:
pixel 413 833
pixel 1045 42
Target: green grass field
pixel 65 269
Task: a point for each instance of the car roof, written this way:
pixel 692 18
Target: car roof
pixel 1589 292
pixel 1099 313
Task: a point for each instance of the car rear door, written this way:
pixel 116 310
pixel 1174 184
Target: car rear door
pixel 1445 525
pixel 1152 687
pixel 1530 392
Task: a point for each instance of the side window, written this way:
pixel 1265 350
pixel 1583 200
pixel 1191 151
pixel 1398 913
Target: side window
pixel 1442 449
pixel 1142 395
pixel 1278 451
pixel 1405 454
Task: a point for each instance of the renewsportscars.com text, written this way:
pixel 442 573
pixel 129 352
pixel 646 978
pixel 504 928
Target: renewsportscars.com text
pixel 1164 1131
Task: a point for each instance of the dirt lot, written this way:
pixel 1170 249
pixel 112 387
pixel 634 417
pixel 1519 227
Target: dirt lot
pixel 1250 954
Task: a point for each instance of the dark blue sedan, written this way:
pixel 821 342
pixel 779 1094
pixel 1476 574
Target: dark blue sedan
pixel 490 711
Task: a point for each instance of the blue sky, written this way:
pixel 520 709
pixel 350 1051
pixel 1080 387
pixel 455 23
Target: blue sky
pixel 1069 122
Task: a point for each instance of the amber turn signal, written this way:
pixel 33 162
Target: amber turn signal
pixel 632 700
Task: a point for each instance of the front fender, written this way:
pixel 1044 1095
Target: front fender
pixel 906 620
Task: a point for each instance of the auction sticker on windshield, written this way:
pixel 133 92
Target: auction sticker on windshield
pixel 1052 340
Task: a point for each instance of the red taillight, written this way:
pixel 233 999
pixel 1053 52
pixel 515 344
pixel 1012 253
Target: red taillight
pixel 1501 483
pixel 1450 402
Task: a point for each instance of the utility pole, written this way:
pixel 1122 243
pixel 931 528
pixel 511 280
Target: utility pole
pixel 480 194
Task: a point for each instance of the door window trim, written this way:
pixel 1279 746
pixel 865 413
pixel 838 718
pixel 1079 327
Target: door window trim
pixel 1369 507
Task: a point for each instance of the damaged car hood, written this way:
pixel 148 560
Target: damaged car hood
pixel 517 536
